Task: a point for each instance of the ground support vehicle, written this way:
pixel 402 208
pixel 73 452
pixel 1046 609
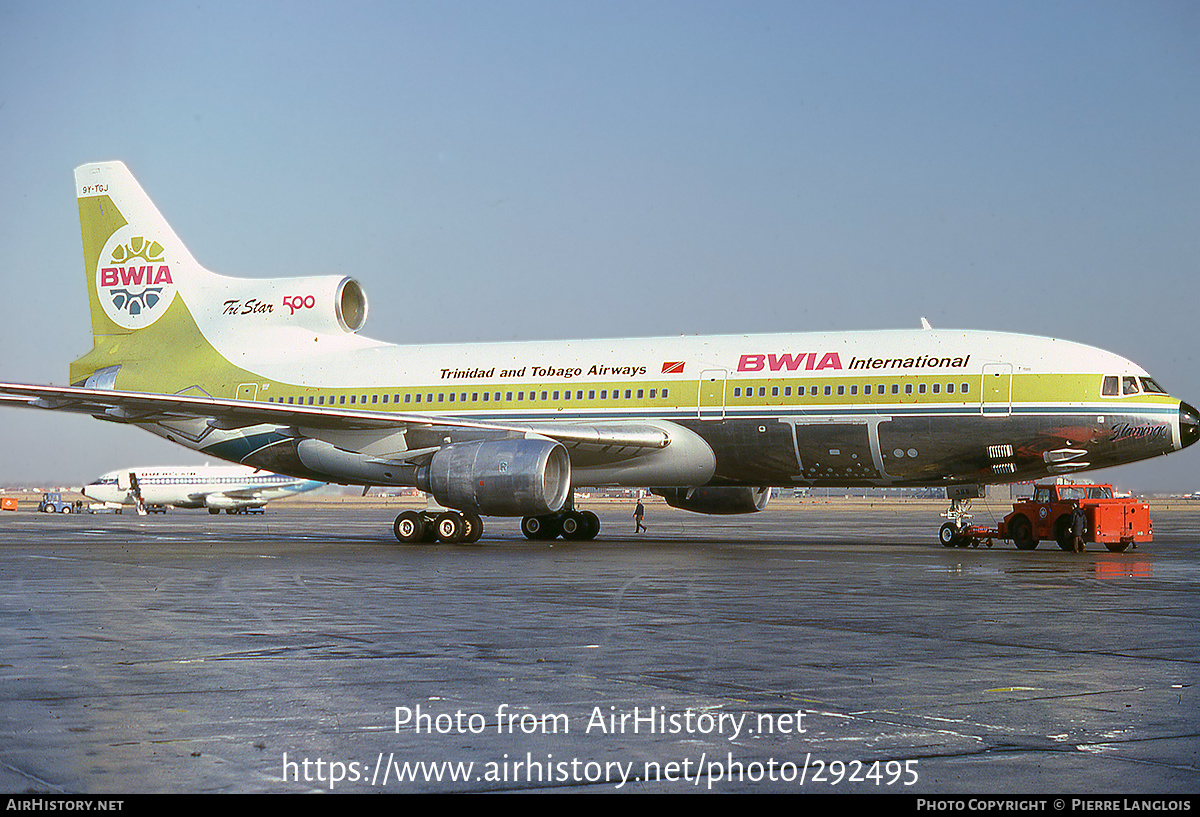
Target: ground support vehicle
pixel 1116 522
pixel 54 503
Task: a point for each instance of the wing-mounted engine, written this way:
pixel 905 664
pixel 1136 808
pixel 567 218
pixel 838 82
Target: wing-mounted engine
pixel 327 304
pixel 513 477
pixel 716 500
pixel 223 502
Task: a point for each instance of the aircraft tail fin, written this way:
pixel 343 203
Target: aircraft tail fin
pixel 162 322
pixel 134 265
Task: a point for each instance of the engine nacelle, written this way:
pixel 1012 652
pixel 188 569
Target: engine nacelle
pixel 326 304
pixel 227 503
pixel 514 477
pixel 716 500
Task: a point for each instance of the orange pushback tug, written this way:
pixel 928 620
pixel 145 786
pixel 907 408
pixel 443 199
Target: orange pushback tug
pixel 1115 521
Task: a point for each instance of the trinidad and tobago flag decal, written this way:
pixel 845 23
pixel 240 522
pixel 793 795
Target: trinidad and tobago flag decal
pixel 673 367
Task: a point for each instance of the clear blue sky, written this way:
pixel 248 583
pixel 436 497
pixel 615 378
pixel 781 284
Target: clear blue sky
pixel 525 170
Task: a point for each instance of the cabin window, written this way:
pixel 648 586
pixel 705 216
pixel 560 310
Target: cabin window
pixel 641 393
pixel 664 394
pixel 628 393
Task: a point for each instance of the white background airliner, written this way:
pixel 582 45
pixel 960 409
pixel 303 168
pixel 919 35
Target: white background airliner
pixel 230 488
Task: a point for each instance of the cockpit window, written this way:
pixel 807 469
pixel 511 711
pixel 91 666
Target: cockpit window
pixel 1111 386
pixel 1150 387
pixel 1129 385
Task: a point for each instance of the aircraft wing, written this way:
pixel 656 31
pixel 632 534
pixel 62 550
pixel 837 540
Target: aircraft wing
pixel 144 407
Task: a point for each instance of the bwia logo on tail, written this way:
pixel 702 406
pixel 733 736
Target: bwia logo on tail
pixel 133 280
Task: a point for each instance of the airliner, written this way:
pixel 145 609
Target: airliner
pixel 229 488
pixel 273 374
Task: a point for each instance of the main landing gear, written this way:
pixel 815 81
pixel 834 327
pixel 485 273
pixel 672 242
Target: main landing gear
pixel 411 527
pixel 447 526
pixel 569 524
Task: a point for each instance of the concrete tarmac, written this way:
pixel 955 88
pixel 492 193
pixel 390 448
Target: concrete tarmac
pixel 811 648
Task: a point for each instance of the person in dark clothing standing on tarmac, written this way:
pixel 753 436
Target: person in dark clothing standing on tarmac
pixel 638 513
pixel 1078 528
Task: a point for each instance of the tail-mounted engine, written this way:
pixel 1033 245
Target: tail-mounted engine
pixel 327 304
pixel 716 500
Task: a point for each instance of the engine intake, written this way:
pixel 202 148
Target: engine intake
pixel 326 304
pixel 516 477
pixel 716 500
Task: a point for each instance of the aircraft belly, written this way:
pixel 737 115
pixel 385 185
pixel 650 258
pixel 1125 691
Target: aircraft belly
pixel 926 450
pixel 750 451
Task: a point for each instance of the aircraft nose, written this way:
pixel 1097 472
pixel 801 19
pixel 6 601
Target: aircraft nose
pixel 1189 425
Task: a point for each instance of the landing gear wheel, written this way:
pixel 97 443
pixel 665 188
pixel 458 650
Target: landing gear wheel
pixel 449 527
pixel 472 528
pixel 572 526
pixel 531 526
pixel 591 525
pixel 948 535
pixel 409 527
pixel 539 527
